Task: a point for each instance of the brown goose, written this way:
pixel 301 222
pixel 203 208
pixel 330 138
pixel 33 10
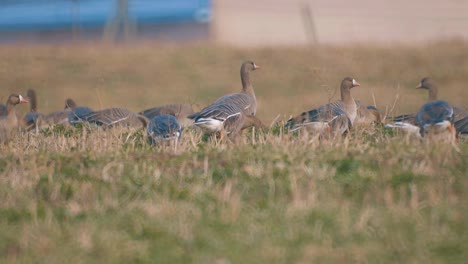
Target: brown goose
pixel 116 116
pixel 337 116
pixel 246 98
pixel 367 115
pixel 9 124
pixel 180 111
pixel 30 118
pixel 228 119
pixel 434 121
pixel 428 84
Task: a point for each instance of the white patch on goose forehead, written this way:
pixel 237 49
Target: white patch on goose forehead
pixel 21 97
pixel 354 82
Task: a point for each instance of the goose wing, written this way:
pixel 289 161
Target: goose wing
pixel 434 112
pixel 108 117
pixel 323 113
pixel 244 101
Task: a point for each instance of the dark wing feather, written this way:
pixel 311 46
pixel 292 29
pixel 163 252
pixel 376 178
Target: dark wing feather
pixel 244 101
pixel 434 112
pixel 77 114
pixel 462 126
pixel 108 117
pixel 323 113
pixel 407 118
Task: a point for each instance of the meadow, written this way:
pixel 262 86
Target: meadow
pixel 84 195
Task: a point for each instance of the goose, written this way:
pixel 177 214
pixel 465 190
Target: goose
pixel 337 116
pixel 56 118
pixel 116 116
pixel 75 112
pixel 367 115
pixel 227 119
pixel 30 118
pixel 10 123
pixel 163 128
pixel 428 84
pixel 435 120
pixel 246 99
pixel 180 111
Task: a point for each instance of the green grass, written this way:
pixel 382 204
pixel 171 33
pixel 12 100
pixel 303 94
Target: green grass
pixel 264 200
pixel 91 196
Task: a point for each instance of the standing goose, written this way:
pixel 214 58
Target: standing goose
pixel 9 124
pixel 227 119
pixel 116 116
pixel 337 116
pixel 246 99
pixel 164 128
pixel 180 111
pixel 428 84
pixel 30 118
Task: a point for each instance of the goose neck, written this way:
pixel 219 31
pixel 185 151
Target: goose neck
pixel 432 93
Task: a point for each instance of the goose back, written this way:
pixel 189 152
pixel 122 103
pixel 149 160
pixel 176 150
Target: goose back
pixel 433 113
pixel 220 117
pixel 116 116
pixel 163 128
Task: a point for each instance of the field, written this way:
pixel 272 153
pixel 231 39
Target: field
pixel 92 196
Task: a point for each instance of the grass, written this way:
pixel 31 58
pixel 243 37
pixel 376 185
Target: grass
pixel 91 196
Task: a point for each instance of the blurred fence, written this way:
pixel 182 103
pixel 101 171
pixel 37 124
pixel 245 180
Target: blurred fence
pixel 235 22
pixel 114 19
pixel 291 22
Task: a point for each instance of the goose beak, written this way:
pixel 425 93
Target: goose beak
pixel 22 100
pixel 355 83
pixel 419 86
pixel 256 66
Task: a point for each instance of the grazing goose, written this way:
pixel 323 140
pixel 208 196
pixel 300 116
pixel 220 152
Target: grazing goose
pixel 436 117
pixel 163 128
pixel 180 111
pixel 30 118
pixel 246 99
pixel 75 112
pixel 434 121
pixel 9 124
pixel 56 118
pixel 428 84
pixel 116 116
pixel 228 119
pixel 367 115
pixel 337 116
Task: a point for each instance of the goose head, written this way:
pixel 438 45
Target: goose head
pixel 70 104
pixel 15 99
pixel 249 66
pixel 426 83
pixel 348 83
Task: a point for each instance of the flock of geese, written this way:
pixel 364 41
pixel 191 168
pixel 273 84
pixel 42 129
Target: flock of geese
pixel 232 113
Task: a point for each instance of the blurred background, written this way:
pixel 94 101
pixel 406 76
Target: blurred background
pixel 234 22
pixel 144 53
